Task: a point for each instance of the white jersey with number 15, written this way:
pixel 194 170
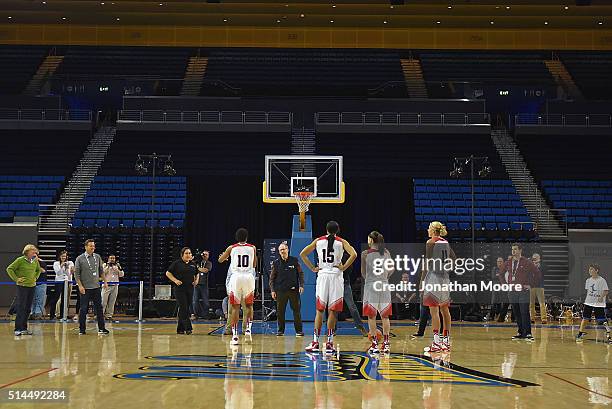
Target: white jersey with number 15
pixel 329 260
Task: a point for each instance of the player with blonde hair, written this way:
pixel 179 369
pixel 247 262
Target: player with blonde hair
pixel 435 278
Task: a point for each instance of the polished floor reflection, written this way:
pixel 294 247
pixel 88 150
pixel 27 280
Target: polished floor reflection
pixel 148 365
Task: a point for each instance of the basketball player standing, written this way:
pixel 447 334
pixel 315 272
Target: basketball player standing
pixel 330 283
pixel 376 299
pixel 438 250
pixel 241 285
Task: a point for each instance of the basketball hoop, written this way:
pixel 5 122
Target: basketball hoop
pixel 303 199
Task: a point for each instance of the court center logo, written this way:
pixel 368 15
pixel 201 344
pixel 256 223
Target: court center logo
pixel 302 367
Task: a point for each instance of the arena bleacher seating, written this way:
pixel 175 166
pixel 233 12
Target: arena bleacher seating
pixel 304 72
pixel 497 204
pixel 194 153
pixel 159 70
pixel 132 248
pixel 587 203
pixel 17 66
pixel 412 155
pixel 483 68
pixel 20 195
pixel 125 201
pixel 42 152
pixel 591 72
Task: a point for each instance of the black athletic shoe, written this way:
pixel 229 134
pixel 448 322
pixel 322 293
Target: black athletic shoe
pixel 417 335
pixel 188 332
pixel 81 332
pixel 299 334
pixel 529 338
pixel 517 337
pixel 103 331
pixel 280 334
pixel 180 332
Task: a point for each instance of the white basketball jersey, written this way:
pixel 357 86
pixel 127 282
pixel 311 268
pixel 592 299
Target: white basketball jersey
pixel 329 261
pixel 440 253
pixel 242 256
pixel 441 249
pixel 375 264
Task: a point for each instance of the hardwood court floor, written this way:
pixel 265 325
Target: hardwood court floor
pixel 148 366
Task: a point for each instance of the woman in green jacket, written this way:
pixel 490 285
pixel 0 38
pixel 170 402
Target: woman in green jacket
pixel 24 271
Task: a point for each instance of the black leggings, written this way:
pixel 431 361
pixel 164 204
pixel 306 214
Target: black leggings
pixel 56 294
pixel 184 298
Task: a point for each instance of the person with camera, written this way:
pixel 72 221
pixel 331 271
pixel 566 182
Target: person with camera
pixel 201 304
pixel 112 271
pixel 64 269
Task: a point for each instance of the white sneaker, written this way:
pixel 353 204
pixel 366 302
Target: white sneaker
pixel 234 340
pixel 373 349
pixel 445 344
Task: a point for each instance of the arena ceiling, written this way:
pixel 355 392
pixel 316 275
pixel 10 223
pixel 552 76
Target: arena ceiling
pixel 451 14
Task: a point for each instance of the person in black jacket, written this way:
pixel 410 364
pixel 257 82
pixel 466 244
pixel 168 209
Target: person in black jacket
pixel 184 275
pixel 286 284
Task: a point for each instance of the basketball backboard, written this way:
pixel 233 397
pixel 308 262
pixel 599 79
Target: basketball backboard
pixel 287 174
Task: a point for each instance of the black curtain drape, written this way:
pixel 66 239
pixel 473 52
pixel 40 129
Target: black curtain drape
pixel 218 205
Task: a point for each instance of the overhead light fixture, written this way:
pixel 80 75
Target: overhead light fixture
pixel 302 15
pixel 278 21
pixel 456 173
pixel 566 8
pixel 333 6
pixel 169 168
pixel 10 17
pixel 140 168
pixel 450 7
pixel 331 21
pixel 118 19
pixel 225 20
pixel 491 22
pixel 385 22
pixel 391 6
pixel 438 22
pixel 485 171
pixel 546 23
pixel 63 18
pixel 457 169
pixel 507 7
pixel 600 23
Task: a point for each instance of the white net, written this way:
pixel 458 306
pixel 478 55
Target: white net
pixel 303 200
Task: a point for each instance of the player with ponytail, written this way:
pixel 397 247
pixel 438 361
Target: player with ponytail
pixel 330 283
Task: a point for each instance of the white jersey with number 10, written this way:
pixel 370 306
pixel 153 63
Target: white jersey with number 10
pixel 329 260
pixel 242 256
